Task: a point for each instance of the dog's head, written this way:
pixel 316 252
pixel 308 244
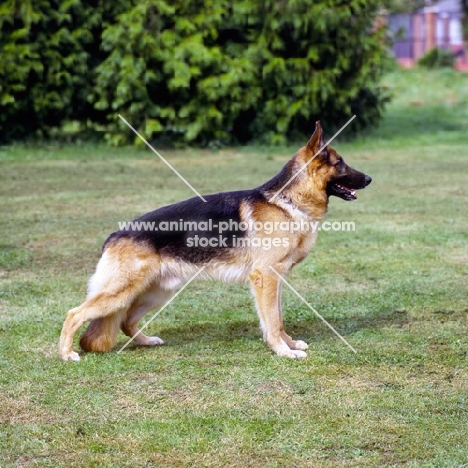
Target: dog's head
pixel 330 171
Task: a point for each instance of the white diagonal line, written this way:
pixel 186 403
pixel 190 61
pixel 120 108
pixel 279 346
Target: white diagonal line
pixel 313 310
pixel 162 159
pixel 311 159
pixel 161 309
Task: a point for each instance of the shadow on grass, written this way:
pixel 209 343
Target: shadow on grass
pixel 310 330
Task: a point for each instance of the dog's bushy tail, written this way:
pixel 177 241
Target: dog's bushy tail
pixel 101 334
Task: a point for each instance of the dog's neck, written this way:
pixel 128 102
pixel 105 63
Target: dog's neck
pixel 301 203
pixel 302 192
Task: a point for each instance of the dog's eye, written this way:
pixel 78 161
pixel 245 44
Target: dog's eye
pixel 340 162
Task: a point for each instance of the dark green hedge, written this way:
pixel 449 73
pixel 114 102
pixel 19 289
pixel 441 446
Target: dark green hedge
pixel 188 71
pixel 49 51
pixel 437 58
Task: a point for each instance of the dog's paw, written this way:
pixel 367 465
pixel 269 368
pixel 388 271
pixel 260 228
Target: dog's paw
pixel 299 344
pixel 143 340
pixel 70 356
pixel 154 341
pixel 299 354
pixel 291 353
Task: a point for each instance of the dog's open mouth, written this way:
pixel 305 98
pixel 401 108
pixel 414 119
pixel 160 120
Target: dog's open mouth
pixel 343 192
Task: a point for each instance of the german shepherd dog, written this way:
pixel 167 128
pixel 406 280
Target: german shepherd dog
pixel 140 269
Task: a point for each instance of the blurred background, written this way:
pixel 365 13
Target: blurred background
pixel 211 73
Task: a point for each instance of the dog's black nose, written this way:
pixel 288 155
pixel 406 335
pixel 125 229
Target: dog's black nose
pixel 368 180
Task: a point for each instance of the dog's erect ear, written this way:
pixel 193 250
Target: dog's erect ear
pixel 316 140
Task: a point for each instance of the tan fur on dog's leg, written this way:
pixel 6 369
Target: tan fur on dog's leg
pixel 145 303
pixel 293 344
pixel 266 288
pixel 101 334
pixel 99 307
pixel 125 271
pixel 68 332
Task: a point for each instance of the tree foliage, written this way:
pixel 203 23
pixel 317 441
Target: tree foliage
pixel 190 71
pixel 49 50
pixel 403 6
pixel 437 58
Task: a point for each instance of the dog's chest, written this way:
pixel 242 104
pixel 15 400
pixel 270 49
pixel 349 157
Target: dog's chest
pixel 303 232
pixel 302 243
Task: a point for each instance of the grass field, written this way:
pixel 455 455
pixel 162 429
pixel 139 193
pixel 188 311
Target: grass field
pixel 215 395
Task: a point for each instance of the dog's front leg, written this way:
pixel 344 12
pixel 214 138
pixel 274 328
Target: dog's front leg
pixel 293 344
pixel 266 288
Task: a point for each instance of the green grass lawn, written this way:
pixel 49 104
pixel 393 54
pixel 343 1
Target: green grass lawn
pixel 215 395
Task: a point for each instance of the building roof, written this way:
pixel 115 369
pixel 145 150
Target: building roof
pixel 446 6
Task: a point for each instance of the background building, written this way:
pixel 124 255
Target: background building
pixel 438 25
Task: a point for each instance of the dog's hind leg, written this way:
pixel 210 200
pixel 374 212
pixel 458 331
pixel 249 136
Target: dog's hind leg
pixel 124 272
pixel 101 333
pixel 104 310
pixel 267 288
pixel 146 302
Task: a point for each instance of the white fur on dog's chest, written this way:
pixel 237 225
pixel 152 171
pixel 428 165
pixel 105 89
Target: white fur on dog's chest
pixel 309 226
